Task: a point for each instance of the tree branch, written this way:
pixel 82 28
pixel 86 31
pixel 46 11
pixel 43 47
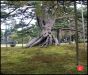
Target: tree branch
pixel 5 16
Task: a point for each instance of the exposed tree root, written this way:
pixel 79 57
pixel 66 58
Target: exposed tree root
pixel 46 37
pixel 43 41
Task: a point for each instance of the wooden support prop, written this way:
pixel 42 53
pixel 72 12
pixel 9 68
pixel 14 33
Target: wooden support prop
pixel 76 33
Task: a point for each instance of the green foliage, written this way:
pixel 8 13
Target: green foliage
pixel 38 10
pixel 82 40
pixel 79 13
pixel 17 3
pixel 1 33
pixel 3 13
pixel 63 23
pixel 26 34
pixel 13 36
pixel 34 31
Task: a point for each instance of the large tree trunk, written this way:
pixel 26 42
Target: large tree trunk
pixel 45 22
pixel 46 37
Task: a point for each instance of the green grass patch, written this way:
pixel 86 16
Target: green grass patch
pixel 36 60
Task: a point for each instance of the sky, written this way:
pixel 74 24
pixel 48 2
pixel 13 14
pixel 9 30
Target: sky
pixel 3 27
pixel 27 20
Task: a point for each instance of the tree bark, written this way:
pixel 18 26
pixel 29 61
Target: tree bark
pixel 46 37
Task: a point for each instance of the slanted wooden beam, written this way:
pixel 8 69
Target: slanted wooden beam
pixel 66 16
pixel 66 29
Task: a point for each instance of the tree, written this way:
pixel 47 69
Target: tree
pixel 46 13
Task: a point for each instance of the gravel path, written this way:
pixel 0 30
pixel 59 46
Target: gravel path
pixel 19 45
pixel 8 45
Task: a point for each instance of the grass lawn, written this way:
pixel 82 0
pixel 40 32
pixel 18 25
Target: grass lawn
pixel 36 60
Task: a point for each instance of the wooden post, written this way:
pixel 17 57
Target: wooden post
pixel 22 35
pixel 69 31
pixel 70 37
pixel 22 29
pixel 6 35
pixel 83 25
pixel 76 34
pixel 58 37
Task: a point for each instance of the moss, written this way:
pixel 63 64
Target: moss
pixel 36 60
